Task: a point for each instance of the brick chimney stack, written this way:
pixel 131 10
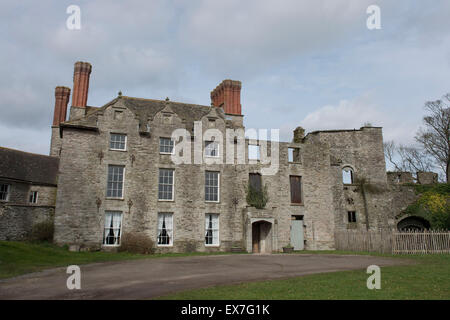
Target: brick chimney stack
pixel 228 95
pixel 81 73
pixel 62 96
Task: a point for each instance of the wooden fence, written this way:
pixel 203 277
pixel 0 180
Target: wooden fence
pixel 409 242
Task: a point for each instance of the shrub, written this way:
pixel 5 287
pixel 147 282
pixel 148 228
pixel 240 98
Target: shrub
pixel 42 231
pixel 136 243
pixel 257 198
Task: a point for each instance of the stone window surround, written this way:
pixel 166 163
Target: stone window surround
pixel 123 181
pixel 216 149
pixel 7 191
pixel 293 156
pixel 352 173
pixel 173 146
pixel 217 229
pixel 173 185
pixel 171 239
pixel 118 133
pixel 218 187
pixel 34 195
pixel 351 216
pixel 258 152
pixel 120 228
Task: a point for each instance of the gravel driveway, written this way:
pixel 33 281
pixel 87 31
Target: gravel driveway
pixel 148 278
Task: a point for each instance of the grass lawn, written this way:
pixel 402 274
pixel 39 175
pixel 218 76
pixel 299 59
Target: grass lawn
pixel 429 278
pixel 17 258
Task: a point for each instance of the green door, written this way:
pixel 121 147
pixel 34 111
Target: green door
pixel 297 234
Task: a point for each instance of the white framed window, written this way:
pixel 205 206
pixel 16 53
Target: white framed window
pixel 211 149
pixel 347 175
pixel 4 191
pixel 165 229
pixel 115 181
pixel 212 186
pixel 254 152
pixel 211 229
pixel 33 196
pixel 118 141
pixel 166 185
pixel 113 228
pixel 166 145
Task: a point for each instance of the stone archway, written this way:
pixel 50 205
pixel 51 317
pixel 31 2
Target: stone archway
pixel 413 223
pixel 261 237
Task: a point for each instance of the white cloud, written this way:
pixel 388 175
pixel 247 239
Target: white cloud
pixel 354 113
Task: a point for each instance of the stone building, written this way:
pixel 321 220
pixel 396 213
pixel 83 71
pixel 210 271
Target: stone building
pixel 27 191
pixel 186 176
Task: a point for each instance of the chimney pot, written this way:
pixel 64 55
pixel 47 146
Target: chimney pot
pixel 228 95
pixel 81 73
pixel 62 96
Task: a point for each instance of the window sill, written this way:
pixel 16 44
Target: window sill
pixel 111 245
pixel 167 153
pixel 111 198
pixel 212 201
pixel 212 245
pixel 122 150
pixel 165 245
pixel 162 200
pixel 298 204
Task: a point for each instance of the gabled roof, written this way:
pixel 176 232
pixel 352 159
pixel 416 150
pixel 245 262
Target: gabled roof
pixel 144 109
pixel 28 167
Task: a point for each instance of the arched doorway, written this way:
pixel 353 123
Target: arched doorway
pixel 413 223
pixel 261 237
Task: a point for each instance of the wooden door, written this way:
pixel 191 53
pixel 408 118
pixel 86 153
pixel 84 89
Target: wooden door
pixel 255 237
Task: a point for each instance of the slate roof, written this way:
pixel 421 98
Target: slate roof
pixel 28 167
pixel 144 109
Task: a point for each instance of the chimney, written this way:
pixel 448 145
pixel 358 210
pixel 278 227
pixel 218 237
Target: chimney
pixel 228 95
pixel 62 96
pixel 81 74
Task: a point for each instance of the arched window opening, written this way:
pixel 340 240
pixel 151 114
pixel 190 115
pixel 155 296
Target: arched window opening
pixel 347 175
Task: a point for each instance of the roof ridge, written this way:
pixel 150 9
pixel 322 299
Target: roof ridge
pixel 170 101
pixel 32 153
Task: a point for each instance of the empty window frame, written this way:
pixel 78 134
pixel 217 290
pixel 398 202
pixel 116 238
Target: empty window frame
pixel 296 189
pixel 347 175
pixel 212 186
pixel 118 141
pixel 211 149
pixel 165 229
pixel 113 228
pixel 166 145
pixel 294 155
pixel 255 181
pixel 115 181
pixel 33 196
pixel 254 152
pixel 4 192
pixel 166 185
pixel 351 216
pixel 211 229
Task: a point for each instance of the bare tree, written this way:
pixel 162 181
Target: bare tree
pixel 435 136
pixel 407 158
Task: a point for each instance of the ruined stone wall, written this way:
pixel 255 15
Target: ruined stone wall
pixel 17 215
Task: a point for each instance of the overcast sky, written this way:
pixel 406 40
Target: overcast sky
pixel 309 63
